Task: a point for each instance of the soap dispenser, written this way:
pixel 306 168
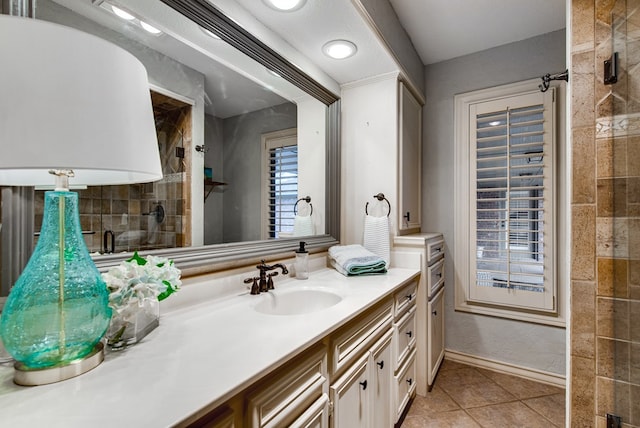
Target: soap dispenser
pixel 302 262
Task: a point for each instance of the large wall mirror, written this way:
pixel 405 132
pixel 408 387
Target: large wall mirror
pixel 245 137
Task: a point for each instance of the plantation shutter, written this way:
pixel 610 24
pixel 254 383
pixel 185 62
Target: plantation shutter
pixel 512 174
pixel 283 188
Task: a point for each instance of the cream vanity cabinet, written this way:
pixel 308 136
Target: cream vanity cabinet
pixel 429 314
pixel 404 348
pixel 373 364
pixel 294 396
pixel 410 159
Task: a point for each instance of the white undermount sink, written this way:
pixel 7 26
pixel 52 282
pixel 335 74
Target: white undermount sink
pixel 296 301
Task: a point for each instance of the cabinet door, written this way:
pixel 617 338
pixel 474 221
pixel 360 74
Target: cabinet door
pixel 381 368
pixel 350 395
pixel 436 335
pixel 410 156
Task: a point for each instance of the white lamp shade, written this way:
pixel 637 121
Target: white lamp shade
pixel 70 100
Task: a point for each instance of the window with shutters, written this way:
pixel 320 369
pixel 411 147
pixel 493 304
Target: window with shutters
pixel 505 201
pixel 280 181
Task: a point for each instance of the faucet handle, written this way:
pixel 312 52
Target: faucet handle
pixel 270 281
pixel 255 289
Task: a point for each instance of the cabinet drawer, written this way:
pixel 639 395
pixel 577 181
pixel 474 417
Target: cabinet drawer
pixel 285 395
pixel 350 342
pixel 405 298
pixel 435 277
pixel 404 337
pixel 435 250
pixel 404 385
pixel 316 416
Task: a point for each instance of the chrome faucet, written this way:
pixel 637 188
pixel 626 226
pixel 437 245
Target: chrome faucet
pixel 264 282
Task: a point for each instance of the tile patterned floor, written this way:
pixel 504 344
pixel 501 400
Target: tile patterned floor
pixel 468 397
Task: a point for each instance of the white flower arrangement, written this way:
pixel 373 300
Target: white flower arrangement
pixel 137 280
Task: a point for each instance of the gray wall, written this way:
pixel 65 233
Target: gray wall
pixel 242 168
pixel 213 211
pixel 524 344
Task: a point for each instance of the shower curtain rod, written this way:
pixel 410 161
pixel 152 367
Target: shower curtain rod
pixel 549 77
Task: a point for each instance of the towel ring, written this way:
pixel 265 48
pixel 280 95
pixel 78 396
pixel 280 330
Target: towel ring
pixel 307 199
pixel 380 197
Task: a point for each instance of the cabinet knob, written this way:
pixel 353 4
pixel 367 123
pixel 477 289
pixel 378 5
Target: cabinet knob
pixel 439 274
pixel 409 333
pixel 409 381
pixel 409 297
pixel 363 385
pixel 380 364
pixel 435 312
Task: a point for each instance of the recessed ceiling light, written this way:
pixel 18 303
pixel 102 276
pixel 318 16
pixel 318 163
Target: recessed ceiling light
pixel 150 28
pixel 122 14
pixel 339 49
pixel 285 5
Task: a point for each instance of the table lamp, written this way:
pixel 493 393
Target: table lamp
pixel 73 107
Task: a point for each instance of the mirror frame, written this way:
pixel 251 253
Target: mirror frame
pixel 211 258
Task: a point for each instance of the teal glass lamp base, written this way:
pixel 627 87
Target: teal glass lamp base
pixel 26 376
pixel 57 312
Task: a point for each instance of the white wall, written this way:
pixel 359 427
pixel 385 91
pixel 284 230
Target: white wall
pixel 312 155
pixel 369 152
pixel 523 344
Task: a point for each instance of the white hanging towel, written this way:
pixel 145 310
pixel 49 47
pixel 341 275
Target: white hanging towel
pixel 303 226
pixel 377 237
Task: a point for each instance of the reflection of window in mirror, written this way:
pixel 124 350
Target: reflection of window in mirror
pixel 141 216
pixel 280 182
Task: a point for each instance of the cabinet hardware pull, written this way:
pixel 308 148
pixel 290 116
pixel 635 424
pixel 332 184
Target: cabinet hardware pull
pixel 409 333
pixel 364 385
pixel 437 250
pixel 380 364
pixel 407 216
pixel 409 297
pixel 435 312
pixel 439 274
pixel 409 381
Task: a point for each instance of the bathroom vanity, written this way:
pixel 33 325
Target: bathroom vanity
pixel 330 348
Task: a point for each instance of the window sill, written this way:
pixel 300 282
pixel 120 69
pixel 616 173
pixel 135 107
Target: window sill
pixel 537 318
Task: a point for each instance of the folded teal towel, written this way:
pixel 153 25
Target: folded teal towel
pixel 354 259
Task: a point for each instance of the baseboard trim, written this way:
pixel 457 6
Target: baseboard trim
pixel 501 367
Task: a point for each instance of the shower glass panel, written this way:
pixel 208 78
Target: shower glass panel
pixel 623 376
pixel 141 216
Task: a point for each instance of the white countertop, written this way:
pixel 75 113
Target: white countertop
pixel 199 357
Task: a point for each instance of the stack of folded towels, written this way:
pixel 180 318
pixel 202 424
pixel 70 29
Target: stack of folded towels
pixel 354 259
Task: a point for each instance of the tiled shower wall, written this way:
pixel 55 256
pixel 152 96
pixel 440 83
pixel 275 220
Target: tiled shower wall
pixel 605 265
pixel 125 210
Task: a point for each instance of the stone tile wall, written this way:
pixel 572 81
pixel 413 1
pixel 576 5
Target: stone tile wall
pixel 605 264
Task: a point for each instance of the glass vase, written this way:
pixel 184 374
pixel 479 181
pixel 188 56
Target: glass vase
pixel 133 323
pixel 57 311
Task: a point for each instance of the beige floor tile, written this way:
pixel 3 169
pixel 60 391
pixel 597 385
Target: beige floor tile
pixel 435 401
pixel 513 414
pixel 460 376
pixel 521 388
pixel 453 419
pixel 478 394
pixel 465 396
pixel 551 406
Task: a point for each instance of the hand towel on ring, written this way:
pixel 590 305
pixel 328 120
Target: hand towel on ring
pixel 303 226
pixel 377 237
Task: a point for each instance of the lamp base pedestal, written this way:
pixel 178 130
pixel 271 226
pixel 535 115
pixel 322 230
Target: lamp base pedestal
pixel 32 377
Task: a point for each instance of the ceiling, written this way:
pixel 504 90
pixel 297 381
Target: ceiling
pixel 439 29
pixel 445 29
